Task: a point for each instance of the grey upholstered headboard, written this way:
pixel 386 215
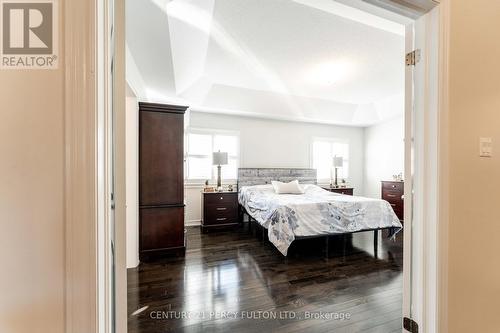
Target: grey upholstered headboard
pixel 261 176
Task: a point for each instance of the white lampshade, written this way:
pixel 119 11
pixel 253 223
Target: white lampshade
pixel 219 158
pixel 338 161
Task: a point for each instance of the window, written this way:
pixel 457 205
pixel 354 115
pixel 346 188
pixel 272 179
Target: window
pixel 200 144
pixel 323 151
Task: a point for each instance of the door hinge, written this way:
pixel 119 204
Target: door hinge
pixel 412 58
pixel 410 325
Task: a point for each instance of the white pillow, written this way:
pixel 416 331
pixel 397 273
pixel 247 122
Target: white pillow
pixel 292 187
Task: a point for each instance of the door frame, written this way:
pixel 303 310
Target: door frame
pixel 85 130
pixel 89 289
pixel 426 241
pixel 81 187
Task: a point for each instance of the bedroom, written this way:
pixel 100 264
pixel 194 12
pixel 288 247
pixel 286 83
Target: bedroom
pixel 63 195
pixel 332 103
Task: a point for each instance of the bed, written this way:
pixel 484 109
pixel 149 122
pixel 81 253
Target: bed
pixel 316 213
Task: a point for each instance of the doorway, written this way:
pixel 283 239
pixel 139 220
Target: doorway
pixel 414 150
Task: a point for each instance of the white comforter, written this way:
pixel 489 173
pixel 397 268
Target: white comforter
pixel 316 212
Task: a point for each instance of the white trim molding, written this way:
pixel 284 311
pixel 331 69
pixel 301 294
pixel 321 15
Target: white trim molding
pixel 192 223
pixel 429 260
pixel 119 89
pixel 443 168
pixel 81 167
pixel 88 170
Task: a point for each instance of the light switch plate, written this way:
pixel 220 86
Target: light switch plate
pixel 485 147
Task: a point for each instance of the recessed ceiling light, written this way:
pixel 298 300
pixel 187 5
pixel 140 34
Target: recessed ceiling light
pixel 329 72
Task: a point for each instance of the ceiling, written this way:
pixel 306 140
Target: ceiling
pixel 305 60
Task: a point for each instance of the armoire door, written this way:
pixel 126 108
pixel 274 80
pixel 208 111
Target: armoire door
pixel 161 153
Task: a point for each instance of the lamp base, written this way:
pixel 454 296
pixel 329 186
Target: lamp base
pixel 336 178
pixel 219 181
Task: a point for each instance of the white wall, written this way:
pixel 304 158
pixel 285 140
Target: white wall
pixel 274 143
pixel 132 177
pixel 384 154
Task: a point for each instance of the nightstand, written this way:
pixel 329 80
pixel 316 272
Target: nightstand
pixel 340 190
pixel 220 209
pixel 393 192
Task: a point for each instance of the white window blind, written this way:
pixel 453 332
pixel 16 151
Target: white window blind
pixel 200 144
pixel 323 151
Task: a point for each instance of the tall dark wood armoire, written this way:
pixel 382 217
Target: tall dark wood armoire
pixel 161 180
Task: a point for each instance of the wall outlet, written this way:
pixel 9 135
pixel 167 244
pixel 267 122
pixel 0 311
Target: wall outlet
pixel 485 147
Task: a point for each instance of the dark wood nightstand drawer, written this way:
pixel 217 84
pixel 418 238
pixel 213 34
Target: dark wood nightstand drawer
pixel 218 198
pixel 212 212
pixel 392 196
pixel 345 190
pixel 220 221
pixel 230 207
pixel 395 186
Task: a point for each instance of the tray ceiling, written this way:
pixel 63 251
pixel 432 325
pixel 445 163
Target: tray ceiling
pixel 304 60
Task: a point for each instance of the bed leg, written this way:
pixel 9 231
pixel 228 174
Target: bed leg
pixel 327 247
pixel 375 242
pixel 344 245
pixel 241 215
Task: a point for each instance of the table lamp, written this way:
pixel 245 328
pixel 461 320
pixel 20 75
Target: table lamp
pixel 219 159
pixel 338 162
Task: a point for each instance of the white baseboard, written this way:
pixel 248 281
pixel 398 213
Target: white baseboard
pixel 192 223
pixel 134 263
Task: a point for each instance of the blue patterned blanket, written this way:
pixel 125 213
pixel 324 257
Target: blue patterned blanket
pixel 316 212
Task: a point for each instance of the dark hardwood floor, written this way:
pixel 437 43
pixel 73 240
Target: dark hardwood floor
pixel 228 279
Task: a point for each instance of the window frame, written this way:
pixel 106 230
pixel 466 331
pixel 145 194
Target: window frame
pixel 213 133
pixel 330 140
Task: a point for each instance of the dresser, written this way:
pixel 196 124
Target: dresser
pixel 220 209
pixel 161 180
pixel 392 192
pixel 343 190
